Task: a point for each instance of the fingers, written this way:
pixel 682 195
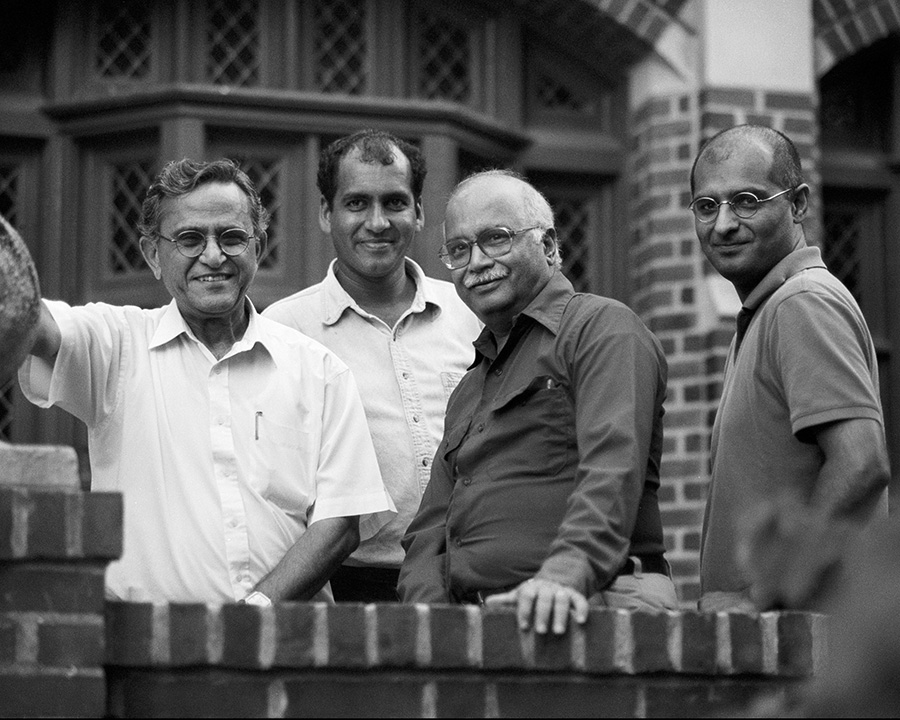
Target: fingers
pixel 544 605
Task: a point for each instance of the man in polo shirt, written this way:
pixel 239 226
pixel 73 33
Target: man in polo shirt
pixel 799 426
pixel 406 337
pixel 543 492
pixel 240 446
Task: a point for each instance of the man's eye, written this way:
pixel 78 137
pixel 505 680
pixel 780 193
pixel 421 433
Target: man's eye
pixel 497 236
pixel 745 200
pixel 457 249
pixel 191 239
pixel 354 204
pixel 397 204
pixel 705 205
pixel 234 238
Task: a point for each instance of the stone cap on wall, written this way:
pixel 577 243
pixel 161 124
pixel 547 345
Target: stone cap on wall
pixel 452 637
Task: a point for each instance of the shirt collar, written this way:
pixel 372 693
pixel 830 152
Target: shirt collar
pixel 172 324
pixel 335 300
pixel 794 262
pixel 546 308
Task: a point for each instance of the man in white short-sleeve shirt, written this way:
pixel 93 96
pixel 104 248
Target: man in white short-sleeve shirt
pixel 240 446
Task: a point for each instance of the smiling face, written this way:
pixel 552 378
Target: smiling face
pixel 213 286
pixel 744 250
pixel 373 218
pixel 498 289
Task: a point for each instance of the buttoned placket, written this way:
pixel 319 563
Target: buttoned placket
pixel 225 468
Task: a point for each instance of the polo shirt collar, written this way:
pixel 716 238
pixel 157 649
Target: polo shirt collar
pixel 546 308
pixel 172 324
pixel 800 259
pixel 336 300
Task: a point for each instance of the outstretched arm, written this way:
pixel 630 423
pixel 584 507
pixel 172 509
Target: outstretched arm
pixel 26 326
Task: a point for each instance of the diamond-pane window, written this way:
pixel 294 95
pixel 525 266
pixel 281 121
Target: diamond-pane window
pixel 9 187
pixel 445 59
pixel 232 34
pixel 123 39
pixel 6 410
pixel 129 186
pixel 842 233
pixel 572 224
pixel 340 46
pixel 266 176
pixel 555 94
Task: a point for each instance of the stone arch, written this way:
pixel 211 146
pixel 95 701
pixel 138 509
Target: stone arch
pixel 842 29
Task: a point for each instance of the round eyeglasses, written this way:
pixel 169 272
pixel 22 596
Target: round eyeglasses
pixel 743 204
pixel 192 243
pixel 494 242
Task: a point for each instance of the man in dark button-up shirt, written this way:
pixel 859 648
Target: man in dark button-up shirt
pixel 543 491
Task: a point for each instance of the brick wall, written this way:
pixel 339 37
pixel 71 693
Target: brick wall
pixel 303 659
pixel 54 547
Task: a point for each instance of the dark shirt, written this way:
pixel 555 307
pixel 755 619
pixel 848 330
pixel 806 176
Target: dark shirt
pixel 549 464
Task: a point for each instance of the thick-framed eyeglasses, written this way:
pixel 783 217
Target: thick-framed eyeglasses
pixel 494 242
pixel 743 204
pixel 192 243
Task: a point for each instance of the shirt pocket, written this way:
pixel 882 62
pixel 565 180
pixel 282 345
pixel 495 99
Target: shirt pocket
pixel 453 437
pixel 282 456
pixel 533 430
pixel 449 381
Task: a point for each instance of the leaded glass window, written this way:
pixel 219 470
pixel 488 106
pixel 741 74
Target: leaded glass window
pixel 266 176
pixel 843 229
pixel 572 226
pixel 123 39
pixel 340 46
pixel 233 37
pixel 556 94
pixel 9 185
pixel 129 186
pixel 445 58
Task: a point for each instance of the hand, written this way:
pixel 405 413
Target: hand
pixel 542 602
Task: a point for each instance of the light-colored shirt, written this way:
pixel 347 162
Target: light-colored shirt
pixel 222 464
pixel 405 376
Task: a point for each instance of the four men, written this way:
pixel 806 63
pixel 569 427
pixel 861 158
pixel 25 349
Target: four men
pixel 243 450
pixel 227 433
pixel 800 422
pixel 406 337
pixel 543 491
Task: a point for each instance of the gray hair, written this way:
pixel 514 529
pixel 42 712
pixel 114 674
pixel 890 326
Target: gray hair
pixel 537 207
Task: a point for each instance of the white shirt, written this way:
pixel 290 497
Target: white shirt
pixel 222 464
pixel 405 376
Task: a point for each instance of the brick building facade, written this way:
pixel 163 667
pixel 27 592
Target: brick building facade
pixel 602 103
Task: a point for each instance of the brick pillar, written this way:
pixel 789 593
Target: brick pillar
pixel 55 543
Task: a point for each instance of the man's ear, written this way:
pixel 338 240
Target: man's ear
pixel 420 215
pixel 549 241
pixel 150 251
pixel 262 242
pixel 800 203
pixel 325 216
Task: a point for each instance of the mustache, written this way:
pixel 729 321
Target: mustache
pixel 487 276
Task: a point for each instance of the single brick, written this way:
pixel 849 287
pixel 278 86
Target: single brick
pixel 600 642
pixel 102 525
pixel 449 636
pixel 501 641
pixel 188 634
pixel 7 523
pixel 651 632
pixel 52 587
pixel 795 644
pixel 554 652
pixel 71 644
pixel 50 516
pixel 129 634
pixel 746 643
pixel 347 635
pixel 541 697
pixel 460 697
pixel 242 628
pixel 396 634
pixel 295 625
pixel 205 692
pixel 343 694
pixel 698 643
pixel 43 695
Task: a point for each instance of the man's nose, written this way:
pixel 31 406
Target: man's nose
pixel 478 258
pixel 212 254
pixel 726 219
pixel 376 220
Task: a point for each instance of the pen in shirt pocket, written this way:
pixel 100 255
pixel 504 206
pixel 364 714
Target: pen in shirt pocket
pixel 256 424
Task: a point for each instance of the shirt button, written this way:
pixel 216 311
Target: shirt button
pixel 406 376
pixel 457 542
pixel 481 427
pixel 467 481
pixel 424 462
pixel 415 418
pixel 498 371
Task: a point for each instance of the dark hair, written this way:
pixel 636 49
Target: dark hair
pixel 374 146
pixel 786 170
pixel 180 177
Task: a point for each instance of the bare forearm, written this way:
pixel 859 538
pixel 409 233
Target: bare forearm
pixel 308 564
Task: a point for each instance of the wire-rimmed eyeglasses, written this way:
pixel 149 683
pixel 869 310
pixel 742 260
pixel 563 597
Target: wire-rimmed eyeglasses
pixel 494 242
pixel 743 204
pixel 192 243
